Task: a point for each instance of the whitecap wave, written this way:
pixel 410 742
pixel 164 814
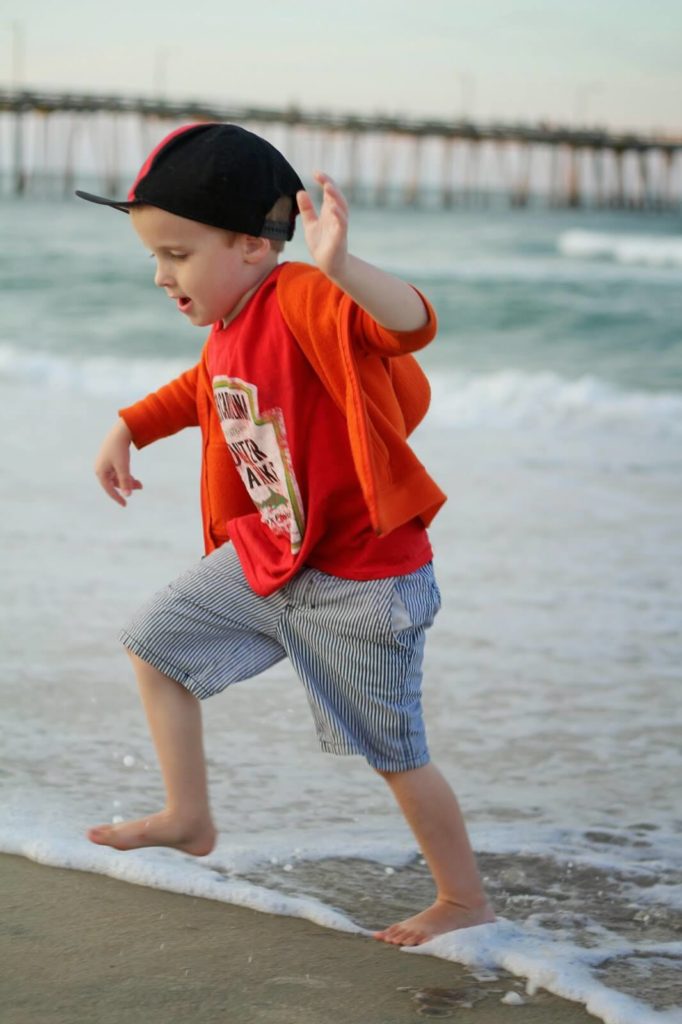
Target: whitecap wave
pixel 511 399
pixel 645 250
pixel 96 375
pixel 507 399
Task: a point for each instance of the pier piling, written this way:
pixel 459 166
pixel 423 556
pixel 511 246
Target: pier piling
pixel 564 166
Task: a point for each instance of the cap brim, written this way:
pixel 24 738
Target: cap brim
pixel 117 204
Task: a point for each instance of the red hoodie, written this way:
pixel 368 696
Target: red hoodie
pixel 368 373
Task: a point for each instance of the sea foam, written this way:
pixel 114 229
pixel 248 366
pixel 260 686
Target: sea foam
pixel 560 967
pixel 645 250
pixel 512 398
pixel 545 958
pixel 505 399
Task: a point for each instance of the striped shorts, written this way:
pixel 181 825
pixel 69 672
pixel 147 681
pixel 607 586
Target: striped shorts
pixel 357 646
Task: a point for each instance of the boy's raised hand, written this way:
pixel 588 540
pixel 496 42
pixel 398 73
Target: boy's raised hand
pixel 392 303
pixel 112 465
pixel 326 233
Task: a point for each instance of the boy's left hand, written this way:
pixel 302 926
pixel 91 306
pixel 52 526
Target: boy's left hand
pixel 326 234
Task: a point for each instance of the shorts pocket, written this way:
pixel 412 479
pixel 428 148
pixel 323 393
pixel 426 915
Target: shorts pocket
pixel 437 599
pixel 415 602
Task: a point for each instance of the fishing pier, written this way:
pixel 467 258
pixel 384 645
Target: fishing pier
pixel 48 138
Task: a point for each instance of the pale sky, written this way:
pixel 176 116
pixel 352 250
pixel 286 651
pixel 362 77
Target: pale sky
pixel 611 62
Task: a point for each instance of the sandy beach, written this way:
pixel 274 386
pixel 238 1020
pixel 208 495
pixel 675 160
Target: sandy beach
pixel 80 948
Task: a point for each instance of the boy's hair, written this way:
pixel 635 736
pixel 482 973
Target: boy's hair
pixel 280 214
pixel 216 174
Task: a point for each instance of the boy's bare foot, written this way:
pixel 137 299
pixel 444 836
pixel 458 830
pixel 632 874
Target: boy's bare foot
pixel 160 829
pixel 442 916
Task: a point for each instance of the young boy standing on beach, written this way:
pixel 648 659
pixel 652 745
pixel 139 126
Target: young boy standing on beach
pixel 305 394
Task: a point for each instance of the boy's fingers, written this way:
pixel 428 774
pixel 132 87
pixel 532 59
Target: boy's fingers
pixel 118 485
pixel 127 484
pixel 306 207
pixel 110 489
pixel 329 185
pixel 336 198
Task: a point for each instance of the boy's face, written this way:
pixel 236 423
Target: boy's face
pixel 195 264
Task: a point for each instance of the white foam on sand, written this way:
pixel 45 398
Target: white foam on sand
pixel 562 968
pixel 526 949
pixel 169 870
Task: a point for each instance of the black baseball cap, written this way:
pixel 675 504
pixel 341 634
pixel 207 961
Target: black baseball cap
pixel 217 174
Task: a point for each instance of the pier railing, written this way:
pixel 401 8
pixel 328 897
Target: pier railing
pixel 454 160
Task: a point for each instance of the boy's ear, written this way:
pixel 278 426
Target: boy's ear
pixel 254 249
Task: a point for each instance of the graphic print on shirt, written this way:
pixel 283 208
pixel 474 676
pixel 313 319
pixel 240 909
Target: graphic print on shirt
pixel 258 445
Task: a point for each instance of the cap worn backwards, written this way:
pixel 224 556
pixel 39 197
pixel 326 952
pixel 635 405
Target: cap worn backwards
pixel 217 174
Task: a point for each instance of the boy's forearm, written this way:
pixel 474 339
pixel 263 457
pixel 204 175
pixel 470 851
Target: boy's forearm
pixel 393 303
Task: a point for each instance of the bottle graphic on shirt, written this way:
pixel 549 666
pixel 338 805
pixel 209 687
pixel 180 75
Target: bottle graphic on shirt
pixel 258 444
pixel 275 512
pixel 273 501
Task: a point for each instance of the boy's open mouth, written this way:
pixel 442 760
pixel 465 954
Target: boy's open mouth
pixel 183 303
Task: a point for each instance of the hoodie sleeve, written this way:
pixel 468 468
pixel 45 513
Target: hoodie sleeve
pixel 309 300
pixel 372 337
pixel 164 412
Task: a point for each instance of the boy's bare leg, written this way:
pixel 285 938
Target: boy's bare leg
pixel 174 717
pixel 432 812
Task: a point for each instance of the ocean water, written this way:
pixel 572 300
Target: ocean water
pixel 552 674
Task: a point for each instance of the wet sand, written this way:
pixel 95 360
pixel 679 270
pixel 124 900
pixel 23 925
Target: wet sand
pixel 80 948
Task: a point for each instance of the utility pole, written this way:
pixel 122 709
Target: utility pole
pixel 18 55
pixel 467 83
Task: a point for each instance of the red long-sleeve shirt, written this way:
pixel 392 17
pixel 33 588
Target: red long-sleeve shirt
pixel 366 371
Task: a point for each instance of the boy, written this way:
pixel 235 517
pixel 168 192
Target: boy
pixel 305 394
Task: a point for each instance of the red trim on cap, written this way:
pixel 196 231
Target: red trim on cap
pixel 146 166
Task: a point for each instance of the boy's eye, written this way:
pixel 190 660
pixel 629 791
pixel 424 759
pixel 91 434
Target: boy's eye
pixel 172 253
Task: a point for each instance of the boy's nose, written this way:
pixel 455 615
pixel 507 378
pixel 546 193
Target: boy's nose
pixel 162 278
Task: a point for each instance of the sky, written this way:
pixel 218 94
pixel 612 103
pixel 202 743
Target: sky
pixel 614 63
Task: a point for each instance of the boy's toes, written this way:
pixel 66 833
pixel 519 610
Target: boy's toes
pixel 108 835
pixel 394 935
pixel 412 937
pixel 99 834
